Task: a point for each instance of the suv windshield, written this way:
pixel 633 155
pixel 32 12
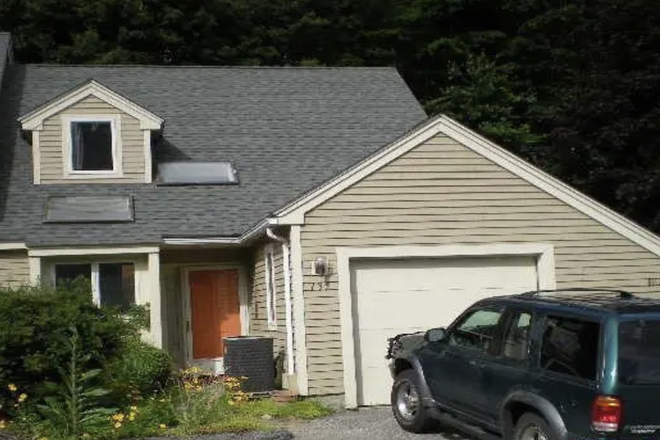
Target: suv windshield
pixel 639 351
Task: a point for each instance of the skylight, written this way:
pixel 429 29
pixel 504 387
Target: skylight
pixel 196 173
pixel 89 209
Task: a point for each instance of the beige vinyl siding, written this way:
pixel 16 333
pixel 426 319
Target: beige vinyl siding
pixel 52 149
pixel 258 304
pixel 14 269
pixel 442 193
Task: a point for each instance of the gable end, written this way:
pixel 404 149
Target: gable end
pixel 34 119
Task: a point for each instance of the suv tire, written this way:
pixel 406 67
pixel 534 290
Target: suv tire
pixel 533 427
pixel 407 404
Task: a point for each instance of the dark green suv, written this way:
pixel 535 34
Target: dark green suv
pixel 573 364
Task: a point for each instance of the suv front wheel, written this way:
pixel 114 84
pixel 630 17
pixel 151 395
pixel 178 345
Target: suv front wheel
pixel 407 404
pixel 532 427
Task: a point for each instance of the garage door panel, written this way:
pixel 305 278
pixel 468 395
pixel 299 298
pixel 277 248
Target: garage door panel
pixel 396 296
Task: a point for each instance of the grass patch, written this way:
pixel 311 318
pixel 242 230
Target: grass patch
pixel 302 409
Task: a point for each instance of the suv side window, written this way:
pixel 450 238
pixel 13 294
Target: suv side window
pixel 570 346
pixel 516 339
pixel 477 330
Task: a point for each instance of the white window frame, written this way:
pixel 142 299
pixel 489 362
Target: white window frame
pixel 67 152
pixel 95 278
pixel 271 291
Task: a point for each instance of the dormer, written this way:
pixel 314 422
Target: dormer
pixel 91 134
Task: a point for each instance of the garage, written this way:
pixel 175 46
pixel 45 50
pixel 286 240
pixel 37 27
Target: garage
pixel 392 296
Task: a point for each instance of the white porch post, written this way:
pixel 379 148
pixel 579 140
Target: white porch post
pixel 34 264
pixel 153 286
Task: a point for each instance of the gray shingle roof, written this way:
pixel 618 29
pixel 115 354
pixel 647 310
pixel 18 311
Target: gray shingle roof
pixel 285 130
pixel 5 40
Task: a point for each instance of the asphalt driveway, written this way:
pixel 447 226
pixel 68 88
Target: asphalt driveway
pixel 364 424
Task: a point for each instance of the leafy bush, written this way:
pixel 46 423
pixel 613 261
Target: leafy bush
pixel 35 329
pixel 76 408
pixel 139 368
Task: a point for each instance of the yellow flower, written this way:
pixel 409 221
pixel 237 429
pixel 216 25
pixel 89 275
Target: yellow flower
pixel 3 424
pixel 118 417
pixel 134 409
pixel 117 425
pixel 131 417
pixel 162 426
pixel 22 397
pixel 11 387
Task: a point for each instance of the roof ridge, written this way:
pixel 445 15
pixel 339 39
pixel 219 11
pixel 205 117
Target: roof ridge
pixel 208 66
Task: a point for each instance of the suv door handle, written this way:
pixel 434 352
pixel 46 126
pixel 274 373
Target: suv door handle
pixel 475 363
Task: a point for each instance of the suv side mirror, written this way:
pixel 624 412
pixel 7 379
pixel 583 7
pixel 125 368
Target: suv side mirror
pixel 435 334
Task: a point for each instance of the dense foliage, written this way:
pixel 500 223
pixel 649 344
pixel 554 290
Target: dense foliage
pixel 571 85
pixel 35 331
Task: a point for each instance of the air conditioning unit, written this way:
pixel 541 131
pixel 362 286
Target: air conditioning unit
pixel 251 357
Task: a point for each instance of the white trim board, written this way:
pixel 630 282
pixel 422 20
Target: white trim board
pixel 80 251
pixel 34 119
pixel 545 269
pixel 12 246
pixel 294 213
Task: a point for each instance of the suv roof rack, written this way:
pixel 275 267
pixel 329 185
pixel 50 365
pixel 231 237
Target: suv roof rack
pixel 623 294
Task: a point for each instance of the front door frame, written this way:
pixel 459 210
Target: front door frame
pixel 186 327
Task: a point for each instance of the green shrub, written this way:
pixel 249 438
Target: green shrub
pixel 139 368
pixel 35 330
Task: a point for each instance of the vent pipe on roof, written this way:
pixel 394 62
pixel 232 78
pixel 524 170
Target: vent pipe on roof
pixel 287 299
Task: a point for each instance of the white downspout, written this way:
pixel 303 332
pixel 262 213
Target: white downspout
pixel 287 299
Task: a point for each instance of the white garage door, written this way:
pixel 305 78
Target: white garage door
pixel 392 296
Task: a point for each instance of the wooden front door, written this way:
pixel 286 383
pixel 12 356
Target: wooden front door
pixel 214 311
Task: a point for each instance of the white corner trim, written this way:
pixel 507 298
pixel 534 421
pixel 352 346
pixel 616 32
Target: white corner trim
pixel 300 331
pixel 148 161
pixel 82 251
pixel 36 157
pixel 34 119
pixel 12 246
pixel 67 148
pixel 294 213
pixel 545 272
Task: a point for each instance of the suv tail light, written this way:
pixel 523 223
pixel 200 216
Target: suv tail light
pixel 606 413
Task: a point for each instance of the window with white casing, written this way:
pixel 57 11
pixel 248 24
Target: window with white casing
pixel 112 283
pixel 269 268
pixel 92 146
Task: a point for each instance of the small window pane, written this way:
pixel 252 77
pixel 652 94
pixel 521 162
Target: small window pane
pixel 477 330
pixel 117 284
pixel 639 352
pixel 65 274
pixel 570 346
pixel 517 337
pixel 91 146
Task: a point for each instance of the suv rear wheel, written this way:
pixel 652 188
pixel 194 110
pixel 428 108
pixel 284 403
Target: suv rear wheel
pixel 532 427
pixel 407 404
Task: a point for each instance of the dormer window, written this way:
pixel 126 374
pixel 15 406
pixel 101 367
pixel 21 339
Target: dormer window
pixel 91 134
pixel 92 146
